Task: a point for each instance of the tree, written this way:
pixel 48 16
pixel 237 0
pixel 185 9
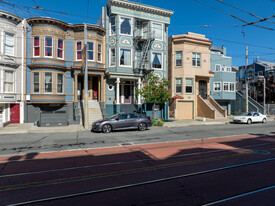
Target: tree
pixel 155 90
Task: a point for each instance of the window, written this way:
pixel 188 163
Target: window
pixel 48 82
pixel 157 31
pixel 60 49
pixel 228 69
pixel 9 44
pixel 217 86
pixel 113 57
pixel 232 87
pixel 36 46
pixel 78 50
pixel 225 86
pixel 178 85
pixel 217 67
pixel 125 26
pixel 35 82
pixel 125 57
pixel 178 58
pixel 112 25
pixel 196 59
pixel 8 82
pixel 123 116
pixel 90 51
pixel 156 60
pixel 60 83
pixel 133 116
pixel 48 46
pixel 99 52
pixel 188 86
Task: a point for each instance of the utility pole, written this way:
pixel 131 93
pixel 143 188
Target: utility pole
pixel 86 112
pixel 246 81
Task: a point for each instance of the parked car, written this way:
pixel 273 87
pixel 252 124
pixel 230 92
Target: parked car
pixel 250 117
pixel 122 121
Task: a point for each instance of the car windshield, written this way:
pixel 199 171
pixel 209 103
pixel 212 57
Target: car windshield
pixel 114 116
pixel 246 114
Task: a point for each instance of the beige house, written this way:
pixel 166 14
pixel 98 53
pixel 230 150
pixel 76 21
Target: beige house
pixel 189 76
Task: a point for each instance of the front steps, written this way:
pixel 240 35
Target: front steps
pixel 93 110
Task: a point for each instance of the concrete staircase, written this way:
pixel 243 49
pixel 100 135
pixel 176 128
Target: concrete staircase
pixel 218 114
pixel 94 112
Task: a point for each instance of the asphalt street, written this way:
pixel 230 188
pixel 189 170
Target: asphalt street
pixel 37 143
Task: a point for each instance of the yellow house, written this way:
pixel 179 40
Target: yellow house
pixel 189 76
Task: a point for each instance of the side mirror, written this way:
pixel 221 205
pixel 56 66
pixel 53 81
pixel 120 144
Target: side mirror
pixel 117 118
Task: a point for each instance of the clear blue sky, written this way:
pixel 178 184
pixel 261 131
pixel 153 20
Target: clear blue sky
pixel 189 15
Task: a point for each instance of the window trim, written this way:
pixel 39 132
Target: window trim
pixel 99 52
pixel 176 59
pixel 110 58
pixel 131 23
pixel 152 59
pixel 131 57
pixel 57 48
pixel 152 28
pixel 44 73
pixel 214 87
pixel 216 67
pixel 63 83
pixel 110 25
pixel 78 50
pixel 13 82
pixel 48 46
pixel 90 60
pixel 189 85
pixel 196 59
pixel 229 83
pixel 13 46
pixel 38 82
pixel 178 84
pixel 39 46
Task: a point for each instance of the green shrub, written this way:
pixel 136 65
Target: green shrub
pixel 157 122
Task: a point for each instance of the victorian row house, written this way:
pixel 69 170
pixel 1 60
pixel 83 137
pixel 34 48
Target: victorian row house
pixel 11 68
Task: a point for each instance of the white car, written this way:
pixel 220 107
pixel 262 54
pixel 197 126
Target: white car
pixel 249 117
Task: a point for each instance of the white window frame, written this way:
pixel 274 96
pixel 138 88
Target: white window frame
pixel 120 56
pixel 214 90
pixel 152 59
pixel 13 82
pixel 33 82
pixel 99 53
pixel 110 59
pixel 131 23
pixel 33 50
pixel 78 50
pixel 5 43
pixel 44 73
pixel 93 50
pixel 58 83
pixel 219 66
pixel 189 85
pixel 60 49
pixel 176 85
pixel 230 83
pixel 226 83
pixel 228 69
pixel 196 59
pixel 48 46
pixel 152 29
pixel 176 59
pixel 110 25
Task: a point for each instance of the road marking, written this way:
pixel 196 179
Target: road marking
pixel 238 196
pixel 141 183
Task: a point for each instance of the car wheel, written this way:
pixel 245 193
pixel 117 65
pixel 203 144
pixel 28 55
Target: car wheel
pixel 106 128
pixel 264 120
pixel 249 121
pixel 142 126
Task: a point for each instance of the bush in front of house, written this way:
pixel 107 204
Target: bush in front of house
pixel 157 122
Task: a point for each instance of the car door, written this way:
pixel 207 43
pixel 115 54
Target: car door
pixel 256 117
pixel 133 120
pixel 121 121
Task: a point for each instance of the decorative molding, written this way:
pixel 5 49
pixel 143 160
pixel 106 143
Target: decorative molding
pixel 157 46
pixel 126 41
pixel 112 41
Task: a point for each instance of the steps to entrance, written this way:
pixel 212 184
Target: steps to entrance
pixel 218 114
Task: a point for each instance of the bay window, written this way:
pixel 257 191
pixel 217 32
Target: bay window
pixel 178 58
pixel 48 82
pixel 36 46
pixel 112 57
pixel 232 87
pixel 9 44
pixel 188 86
pixel 8 81
pixel 156 60
pixel 99 52
pixel 125 57
pixel 157 31
pixel 35 82
pixel 60 83
pixel 90 51
pixel 60 49
pixel 78 50
pixel 112 25
pixel 48 46
pixel 226 86
pixel 125 26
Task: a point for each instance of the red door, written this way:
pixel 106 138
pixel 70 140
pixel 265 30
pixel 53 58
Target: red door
pixel 15 113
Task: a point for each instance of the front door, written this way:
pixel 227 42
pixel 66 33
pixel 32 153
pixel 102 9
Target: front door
pixel 127 94
pixel 203 89
pixel 14 113
pixel 95 88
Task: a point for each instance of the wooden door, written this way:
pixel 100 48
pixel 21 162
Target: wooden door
pixel 14 113
pixel 203 89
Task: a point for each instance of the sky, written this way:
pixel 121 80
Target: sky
pixel 209 17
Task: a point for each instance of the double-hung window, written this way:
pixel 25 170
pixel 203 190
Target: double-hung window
pixel 36 46
pixel 90 51
pixel 189 86
pixel 60 49
pixel 217 67
pixel 217 86
pixel 60 83
pixel 178 85
pixel 99 52
pixel 157 31
pixel 48 82
pixel 78 50
pixel 8 81
pixel 125 57
pixel 156 60
pixel 9 44
pixel 196 59
pixel 113 25
pixel 178 58
pixel 226 86
pixel 48 46
pixel 113 57
pixel 232 87
pixel 125 26
pixel 35 82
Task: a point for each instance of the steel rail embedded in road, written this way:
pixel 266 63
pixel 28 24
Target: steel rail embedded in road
pixel 143 183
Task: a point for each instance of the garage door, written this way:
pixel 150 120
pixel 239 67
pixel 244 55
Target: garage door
pixel 185 110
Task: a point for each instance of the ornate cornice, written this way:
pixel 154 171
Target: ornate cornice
pixel 45 66
pixel 10 16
